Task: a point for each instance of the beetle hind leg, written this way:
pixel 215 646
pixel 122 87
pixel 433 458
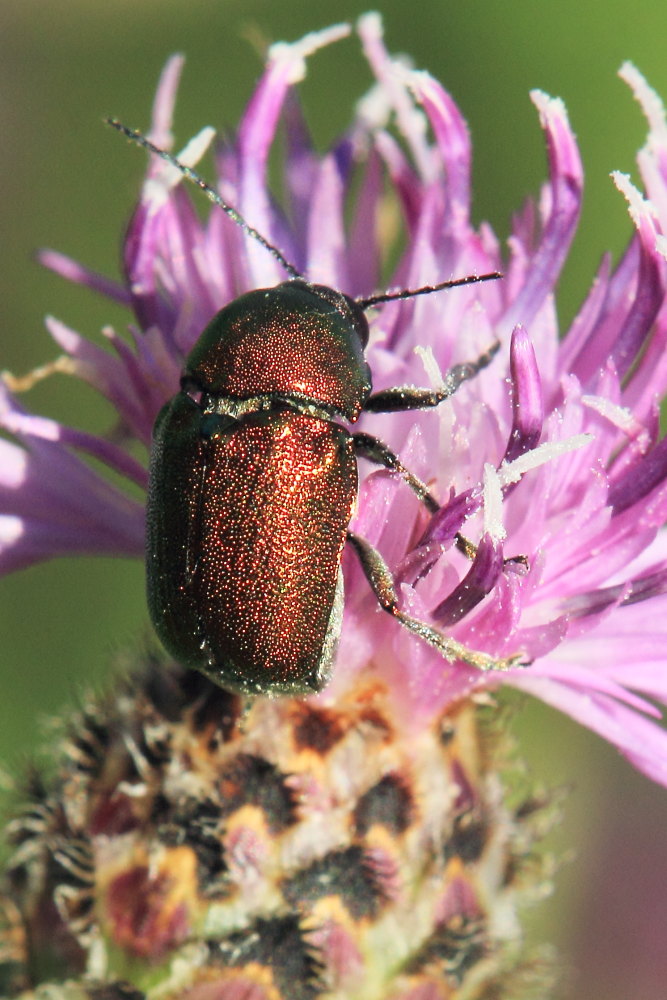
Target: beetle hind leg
pixel 381 581
pixel 376 451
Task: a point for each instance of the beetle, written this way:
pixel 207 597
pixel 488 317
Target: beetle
pixel 253 482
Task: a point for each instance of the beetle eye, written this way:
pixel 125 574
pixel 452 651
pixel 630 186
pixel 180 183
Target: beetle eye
pixel 358 320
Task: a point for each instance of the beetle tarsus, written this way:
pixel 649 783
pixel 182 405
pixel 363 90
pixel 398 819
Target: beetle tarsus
pixel 409 397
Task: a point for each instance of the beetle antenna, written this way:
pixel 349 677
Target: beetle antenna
pixel 140 140
pixel 409 293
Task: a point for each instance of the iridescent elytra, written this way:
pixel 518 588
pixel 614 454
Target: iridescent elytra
pixel 253 482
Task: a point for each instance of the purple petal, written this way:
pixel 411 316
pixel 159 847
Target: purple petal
pixel 72 271
pixel 649 291
pixel 301 168
pixel 641 741
pixel 640 479
pixel 451 517
pixel 581 334
pixel 23 426
pixel 364 250
pixel 393 81
pixel 403 178
pixel 257 130
pixel 53 504
pixel 453 138
pixel 640 589
pixel 479 581
pixel 165 100
pixel 122 381
pixel 527 404
pixel 327 250
pixel 562 212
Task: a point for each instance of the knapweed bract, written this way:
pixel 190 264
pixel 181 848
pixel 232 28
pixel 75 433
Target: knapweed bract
pixel 366 842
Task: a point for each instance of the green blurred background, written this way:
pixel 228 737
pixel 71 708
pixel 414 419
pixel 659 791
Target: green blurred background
pixel 68 183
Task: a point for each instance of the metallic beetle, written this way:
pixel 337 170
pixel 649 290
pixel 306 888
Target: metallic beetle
pixel 253 482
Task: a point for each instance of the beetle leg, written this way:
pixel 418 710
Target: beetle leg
pixel 408 397
pixel 381 581
pixel 377 451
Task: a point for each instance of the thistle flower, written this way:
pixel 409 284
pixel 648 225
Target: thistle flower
pixel 359 843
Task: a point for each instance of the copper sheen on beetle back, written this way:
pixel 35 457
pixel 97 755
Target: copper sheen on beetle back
pixel 253 482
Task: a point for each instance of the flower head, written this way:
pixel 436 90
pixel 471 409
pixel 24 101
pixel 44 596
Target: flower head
pixel 550 460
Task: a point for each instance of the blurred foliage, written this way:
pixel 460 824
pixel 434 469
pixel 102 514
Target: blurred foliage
pixel 69 183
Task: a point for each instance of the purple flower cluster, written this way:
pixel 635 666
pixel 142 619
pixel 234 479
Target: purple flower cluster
pixel 550 461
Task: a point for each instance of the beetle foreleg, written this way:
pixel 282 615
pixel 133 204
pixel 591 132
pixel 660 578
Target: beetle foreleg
pixel 382 583
pixel 408 397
